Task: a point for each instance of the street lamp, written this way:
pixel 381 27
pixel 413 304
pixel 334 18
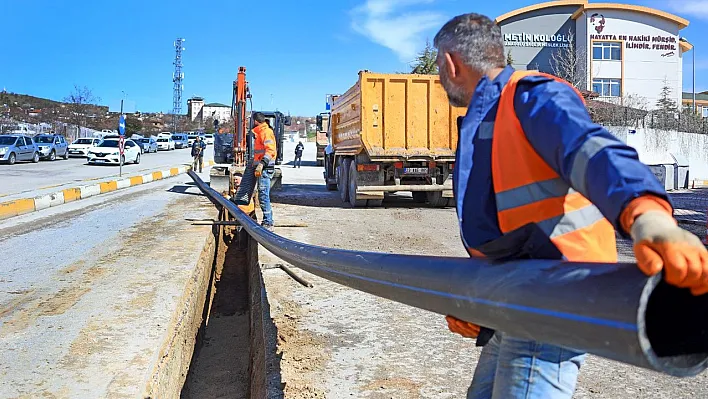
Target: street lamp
pixel 693 54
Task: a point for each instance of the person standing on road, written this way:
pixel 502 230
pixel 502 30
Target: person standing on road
pixel 299 148
pixel 536 178
pixel 264 157
pixel 198 147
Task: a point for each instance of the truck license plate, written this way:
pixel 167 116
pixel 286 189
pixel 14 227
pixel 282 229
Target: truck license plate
pixel 415 171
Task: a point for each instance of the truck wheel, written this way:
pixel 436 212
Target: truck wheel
pixel 343 179
pixel 436 199
pixel 355 203
pixel 420 197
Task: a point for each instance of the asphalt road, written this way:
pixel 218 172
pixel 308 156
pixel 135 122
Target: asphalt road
pixel 88 289
pixel 26 177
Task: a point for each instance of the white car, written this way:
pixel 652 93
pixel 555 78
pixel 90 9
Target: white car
pixel 80 147
pixel 107 152
pixel 209 139
pixel 190 139
pixel 165 144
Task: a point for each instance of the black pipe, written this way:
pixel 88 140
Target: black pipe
pixel 610 310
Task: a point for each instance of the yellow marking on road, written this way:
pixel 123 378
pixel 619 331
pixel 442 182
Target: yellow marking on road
pixel 16 207
pixel 156 175
pixel 71 194
pixel 135 180
pixel 108 186
pixel 174 171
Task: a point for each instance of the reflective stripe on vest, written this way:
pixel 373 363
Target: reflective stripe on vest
pixel 528 190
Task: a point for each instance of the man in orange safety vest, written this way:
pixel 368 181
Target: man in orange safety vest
pixel 535 177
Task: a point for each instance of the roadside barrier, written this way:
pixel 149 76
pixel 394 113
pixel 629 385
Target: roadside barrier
pixel 22 206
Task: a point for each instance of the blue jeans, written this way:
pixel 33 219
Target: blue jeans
pixel 511 368
pixel 264 196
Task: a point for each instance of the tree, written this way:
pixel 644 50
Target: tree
pixel 509 58
pixel 666 109
pixel 79 103
pixel 132 125
pixel 424 63
pixel 568 64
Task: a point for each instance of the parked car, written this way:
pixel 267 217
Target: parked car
pixel 52 146
pixel 107 152
pixel 165 143
pixel 18 147
pixel 190 139
pixel 148 143
pixel 81 146
pixel 209 139
pixel 181 140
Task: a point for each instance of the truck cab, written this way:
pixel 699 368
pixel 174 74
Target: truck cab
pixel 322 138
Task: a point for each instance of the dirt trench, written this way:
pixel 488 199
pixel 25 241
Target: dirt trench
pixel 229 355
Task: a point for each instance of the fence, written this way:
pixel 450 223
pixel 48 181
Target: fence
pixel 613 115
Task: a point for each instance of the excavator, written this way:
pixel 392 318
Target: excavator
pixel 233 152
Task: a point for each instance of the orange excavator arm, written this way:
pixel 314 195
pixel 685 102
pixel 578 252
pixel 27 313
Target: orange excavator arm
pixel 239 114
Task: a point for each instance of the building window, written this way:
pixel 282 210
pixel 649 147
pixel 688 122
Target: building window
pixel 607 51
pixel 607 87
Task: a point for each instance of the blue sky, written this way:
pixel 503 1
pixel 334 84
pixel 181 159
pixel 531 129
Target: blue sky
pixel 295 52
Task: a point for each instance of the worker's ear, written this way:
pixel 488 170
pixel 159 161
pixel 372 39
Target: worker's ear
pixel 453 66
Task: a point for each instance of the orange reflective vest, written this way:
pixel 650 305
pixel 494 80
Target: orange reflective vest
pixel 264 146
pixel 528 190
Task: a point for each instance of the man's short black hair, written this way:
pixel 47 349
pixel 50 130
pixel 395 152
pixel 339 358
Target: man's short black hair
pixel 259 117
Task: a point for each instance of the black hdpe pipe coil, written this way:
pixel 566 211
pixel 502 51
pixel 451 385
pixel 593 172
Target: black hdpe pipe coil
pixel 610 310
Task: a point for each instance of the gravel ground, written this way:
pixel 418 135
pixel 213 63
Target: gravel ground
pixel 335 342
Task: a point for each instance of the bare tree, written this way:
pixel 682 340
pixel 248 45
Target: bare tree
pixel 568 64
pixel 79 103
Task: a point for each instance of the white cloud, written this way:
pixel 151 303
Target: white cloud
pixel 696 8
pixel 392 24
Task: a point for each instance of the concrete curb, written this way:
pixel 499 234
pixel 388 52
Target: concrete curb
pixel 22 206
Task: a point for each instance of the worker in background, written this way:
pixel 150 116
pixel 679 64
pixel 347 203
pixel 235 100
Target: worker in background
pixel 299 148
pixel 198 147
pixel 536 178
pixel 264 160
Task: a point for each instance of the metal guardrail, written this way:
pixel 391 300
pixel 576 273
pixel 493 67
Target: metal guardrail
pixel 610 310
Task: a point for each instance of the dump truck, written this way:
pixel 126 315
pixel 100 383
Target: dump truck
pixel 389 133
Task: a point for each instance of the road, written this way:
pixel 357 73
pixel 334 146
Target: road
pixel 22 178
pixel 88 289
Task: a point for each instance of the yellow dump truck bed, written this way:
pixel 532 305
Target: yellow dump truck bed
pixel 395 116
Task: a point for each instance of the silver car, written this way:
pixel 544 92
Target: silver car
pixel 15 148
pixel 52 146
pixel 148 144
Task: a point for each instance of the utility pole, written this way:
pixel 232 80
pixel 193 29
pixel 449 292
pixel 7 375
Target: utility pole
pixel 177 77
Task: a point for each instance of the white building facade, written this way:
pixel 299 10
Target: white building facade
pixel 624 52
pixel 198 111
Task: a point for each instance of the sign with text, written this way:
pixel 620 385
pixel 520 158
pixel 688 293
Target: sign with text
pixel 536 40
pixel 642 42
